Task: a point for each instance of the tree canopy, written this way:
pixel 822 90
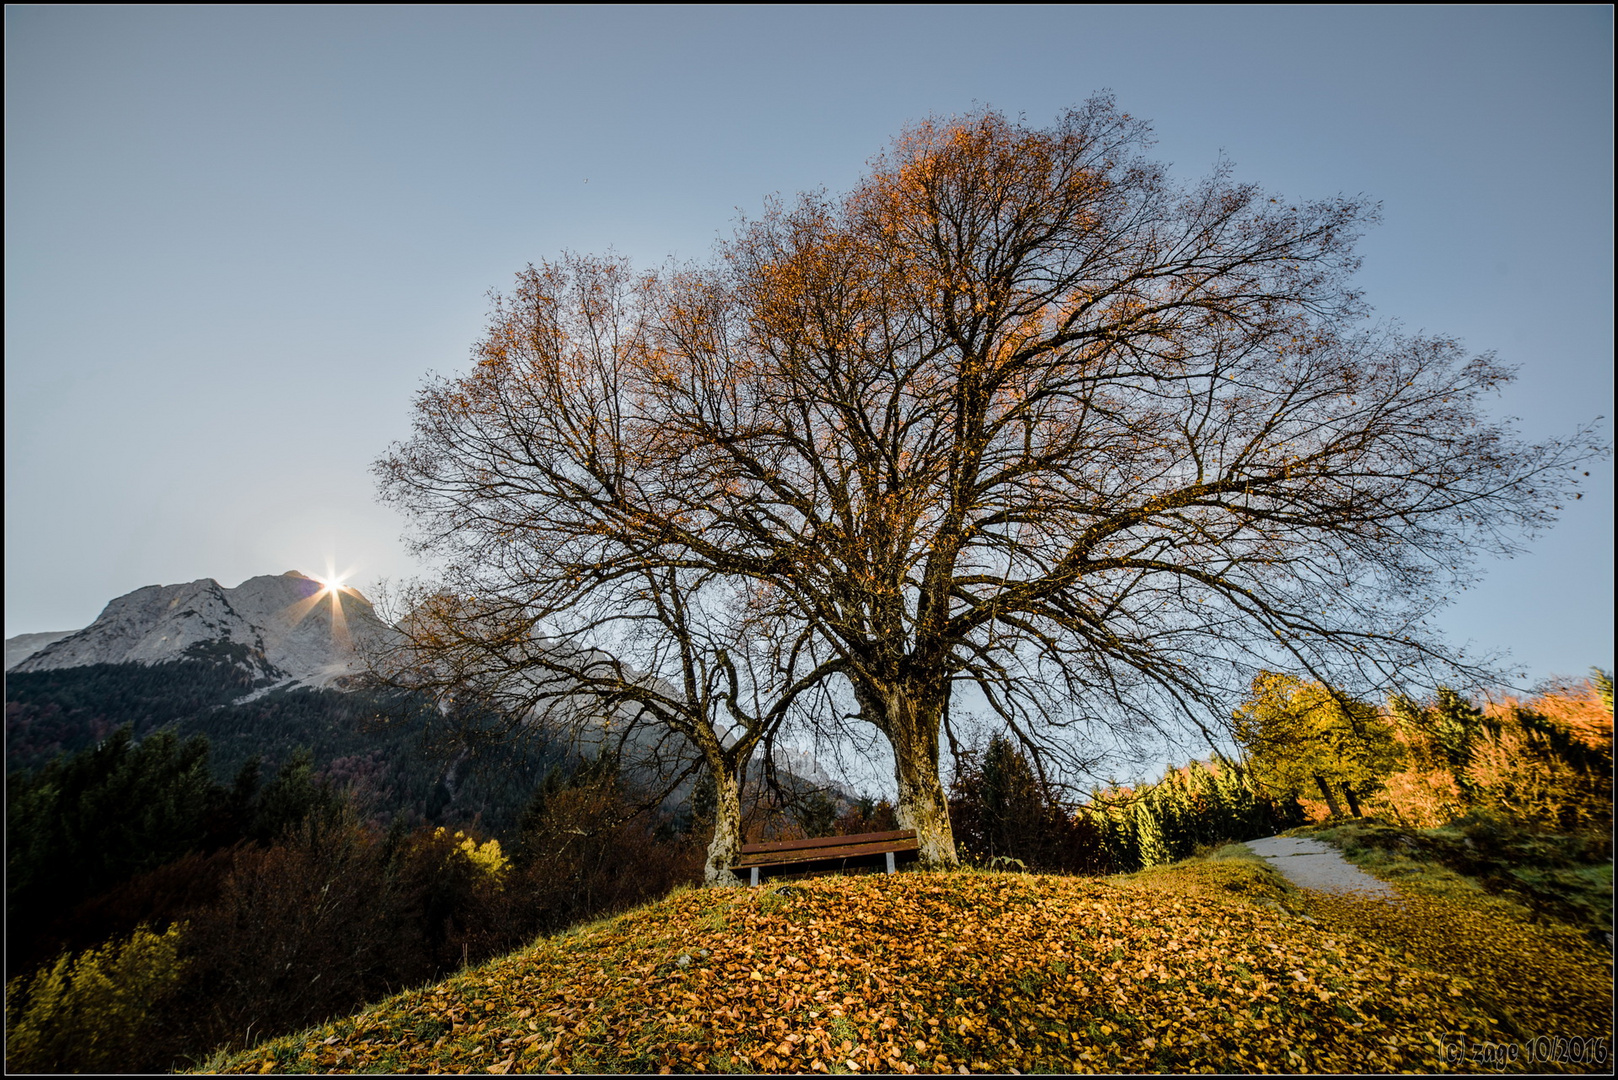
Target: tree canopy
pixel 1016 411
pixel 1304 739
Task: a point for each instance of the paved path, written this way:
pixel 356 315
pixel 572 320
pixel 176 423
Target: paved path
pixel 1312 864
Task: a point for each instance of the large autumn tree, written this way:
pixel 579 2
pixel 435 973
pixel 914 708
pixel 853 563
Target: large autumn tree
pixel 1016 411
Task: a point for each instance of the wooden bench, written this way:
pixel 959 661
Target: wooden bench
pixel 826 854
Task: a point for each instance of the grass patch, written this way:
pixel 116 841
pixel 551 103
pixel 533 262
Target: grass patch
pixel 1540 877
pixel 1235 853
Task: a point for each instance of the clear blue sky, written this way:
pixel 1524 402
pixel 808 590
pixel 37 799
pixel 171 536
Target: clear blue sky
pixel 236 239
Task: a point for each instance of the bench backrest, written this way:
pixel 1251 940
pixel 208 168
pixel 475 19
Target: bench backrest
pixel 827 847
pixel 830 841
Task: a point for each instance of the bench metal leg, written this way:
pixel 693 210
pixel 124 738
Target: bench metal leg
pixel 890 862
pixel 755 872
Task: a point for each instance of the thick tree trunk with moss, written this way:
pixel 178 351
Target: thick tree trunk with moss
pixel 911 723
pixel 726 846
pixel 924 808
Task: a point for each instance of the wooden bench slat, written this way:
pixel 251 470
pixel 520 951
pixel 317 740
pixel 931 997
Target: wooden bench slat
pixel 827 848
pixel 829 841
pixel 907 843
pixel 786 858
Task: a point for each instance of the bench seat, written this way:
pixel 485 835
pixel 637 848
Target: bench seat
pixel 827 854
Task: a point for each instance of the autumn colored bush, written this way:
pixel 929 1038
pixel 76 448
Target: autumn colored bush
pixel 158 898
pixel 1545 762
pixel 1548 760
pixel 1582 708
pixel 331 916
pixel 95 1011
pixel 1517 774
pixel 338 914
pixel 1419 798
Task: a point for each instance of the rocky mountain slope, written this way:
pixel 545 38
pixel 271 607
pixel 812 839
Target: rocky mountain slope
pixel 23 646
pixel 286 626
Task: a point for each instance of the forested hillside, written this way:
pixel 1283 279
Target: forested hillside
pixel 196 860
pixel 381 748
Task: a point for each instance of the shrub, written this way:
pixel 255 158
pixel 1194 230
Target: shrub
pixel 589 848
pixel 93 1012
pixel 300 931
pixel 455 900
pixel 158 898
pixel 1420 799
pixel 1545 762
pixel 486 856
pixel 1519 775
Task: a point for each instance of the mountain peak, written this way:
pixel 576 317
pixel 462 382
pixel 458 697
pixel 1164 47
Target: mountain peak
pixel 289 623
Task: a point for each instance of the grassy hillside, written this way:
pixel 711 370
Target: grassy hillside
pixel 1205 965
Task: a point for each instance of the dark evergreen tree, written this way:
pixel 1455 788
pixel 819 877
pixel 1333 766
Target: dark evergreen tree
pixel 1002 815
pixel 88 822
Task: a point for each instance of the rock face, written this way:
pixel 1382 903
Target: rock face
pixel 285 622
pixel 22 646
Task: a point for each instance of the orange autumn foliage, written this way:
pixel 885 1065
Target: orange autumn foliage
pixel 1545 761
pixel 1419 798
pixel 1575 707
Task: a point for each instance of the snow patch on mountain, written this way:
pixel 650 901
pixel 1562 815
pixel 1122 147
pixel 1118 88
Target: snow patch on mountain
pixel 285 624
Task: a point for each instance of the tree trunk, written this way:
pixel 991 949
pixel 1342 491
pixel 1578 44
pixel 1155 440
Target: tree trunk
pixel 726 846
pixel 1353 803
pixel 923 807
pixel 1331 800
pixel 912 728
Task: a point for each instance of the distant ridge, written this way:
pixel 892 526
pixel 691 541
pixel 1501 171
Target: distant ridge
pixel 282 626
pixel 23 646
pixel 279 629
